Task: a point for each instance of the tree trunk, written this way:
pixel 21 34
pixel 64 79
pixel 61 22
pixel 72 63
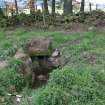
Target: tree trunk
pixel 90 6
pixel 82 6
pixel 46 7
pixel 16 6
pixel 53 6
pixel 96 6
pixel 68 8
pixel 2 14
pixel 0 11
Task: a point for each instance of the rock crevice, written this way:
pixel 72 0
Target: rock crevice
pixel 39 59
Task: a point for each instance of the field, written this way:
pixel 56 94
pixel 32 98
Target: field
pixel 80 81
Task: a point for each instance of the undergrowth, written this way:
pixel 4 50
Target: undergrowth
pixel 81 80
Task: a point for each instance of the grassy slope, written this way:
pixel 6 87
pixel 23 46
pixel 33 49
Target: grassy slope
pixel 82 51
pixel 86 48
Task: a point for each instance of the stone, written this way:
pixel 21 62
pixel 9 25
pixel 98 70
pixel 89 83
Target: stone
pixel 42 77
pixel 39 47
pixel 91 28
pixel 28 72
pixel 27 65
pixel 3 64
pixel 55 62
pixel 15 98
pixel 12 89
pixel 21 55
pixel 55 58
pixel 55 53
pixel 2 99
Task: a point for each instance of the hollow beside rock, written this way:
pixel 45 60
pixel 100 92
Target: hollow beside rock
pixel 39 59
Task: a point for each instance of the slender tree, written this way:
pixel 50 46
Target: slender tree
pixel 82 6
pixel 90 6
pixel 96 6
pixel 53 6
pixel 46 7
pixel 16 6
pixel 68 8
pixel 1 12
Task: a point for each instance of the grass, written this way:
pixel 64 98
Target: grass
pixel 88 43
pixel 80 47
pixel 80 51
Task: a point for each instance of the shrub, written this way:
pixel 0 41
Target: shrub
pixel 11 77
pixel 16 64
pixel 7 52
pixel 48 96
pixel 72 87
pixel 2 90
pixel 3 22
pixel 7 101
pixel 38 15
pixel 37 19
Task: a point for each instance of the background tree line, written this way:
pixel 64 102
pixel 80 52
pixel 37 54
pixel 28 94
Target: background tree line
pixel 67 6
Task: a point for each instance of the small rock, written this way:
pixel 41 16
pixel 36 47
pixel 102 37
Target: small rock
pixel 21 55
pixel 19 96
pixel 1 99
pixel 91 28
pixel 55 53
pixel 12 89
pixel 42 77
pixel 3 64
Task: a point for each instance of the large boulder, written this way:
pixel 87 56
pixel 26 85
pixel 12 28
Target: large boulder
pixel 27 65
pixel 39 47
pixel 21 55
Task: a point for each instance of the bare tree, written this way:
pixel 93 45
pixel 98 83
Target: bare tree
pixel 90 6
pixel 16 6
pixel 96 6
pixel 0 11
pixel 68 8
pixel 53 6
pixel 46 7
pixel 82 6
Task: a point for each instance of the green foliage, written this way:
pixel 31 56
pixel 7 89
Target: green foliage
pixel 11 77
pixel 55 94
pixel 1 12
pixel 16 64
pixel 41 21
pixel 82 83
pixel 10 51
pixel 2 90
pixel 7 101
pixel 3 22
pixel 71 87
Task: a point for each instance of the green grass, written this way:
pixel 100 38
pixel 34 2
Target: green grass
pixel 82 52
pixel 80 47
